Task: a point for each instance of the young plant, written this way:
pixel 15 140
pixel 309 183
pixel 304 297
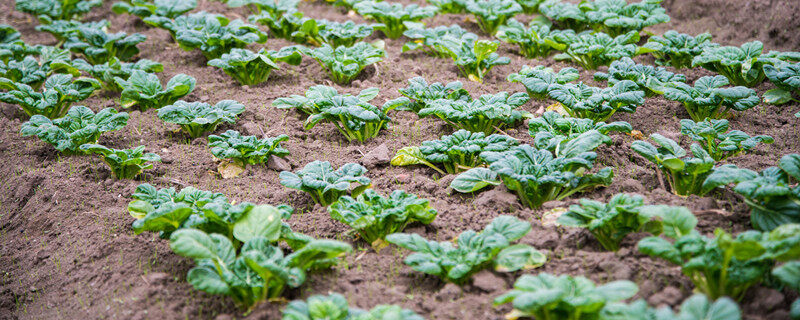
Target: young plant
pixel 474 58
pixel 539 79
pixel 374 216
pixel 33 72
pixel 742 66
pixel 611 222
pixel 583 101
pixel 250 68
pixel 457 152
pixel 773 194
pixel 197 118
pixel 124 163
pixel 59 93
pixel 343 33
pixel 487 114
pixel 617 17
pixel 49 10
pixel 255 272
pixel 419 94
pixel 552 131
pixel 684 174
pixel 678 49
pixel 449 6
pixel 650 79
pixel 99 47
pixel 107 72
pixel 545 296
pixel 537 176
pixel 394 18
pixel 354 118
pixel 531 40
pixel 786 77
pixel 217 35
pixel 721 144
pixel 319 96
pixel 246 149
pixel 144 90
pixel 428 39
pixel 474 252
pixel 491 14
pixel 591 50
pixel 565 15
pixel 345 63
pixel 789 275
pixel 708 98
pixel 324 184
pixel 334 307
pixel 291 25
pixel 80 126
pixel 63 29
pixel 163 8
pixel 270 6
pixel 725 265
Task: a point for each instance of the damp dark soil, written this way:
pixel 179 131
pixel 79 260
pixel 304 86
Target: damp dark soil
pixel 67 250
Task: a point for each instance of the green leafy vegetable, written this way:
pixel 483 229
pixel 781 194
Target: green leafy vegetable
pixel 545 296
pixel 708 99
pixel 786 77
pixel 197 118
pixel 99 47
pixel 144 89
pixel 725 265
pixel 599 104
pixel 721 144
pixel 324 184
pixel 124 163
pixel 291 25
pixel 251 68
pixel 317 97
pixel 345 63
pixel 12 47
pixel 617 17
pixel 565 15
pixel 162 8
pixel 457 152
pixel 428 39
pixel 449 6
pixel 334 307
pixel 33 72
pixel 63 29
pixel 591 50
pixel 374 216
pixel 537 176
pixel 394 18
pixel 486 114
pixel 343 33
pixel 213 34
pixel 684 174
pixel 678 49
pixel 623 214
pixel 531 40
pixel 475 251
pixel 491 14
pixel 772 195
pixel 419 94
pixel 107 72
pixel 473 57
pixel 270 6
pixel 355 118
pixel 246 149
pixel 696 307
pixel 49 10
pixel 253 273
pixel 552 131
pixel 539 79
pixel 742 66
pixel 650 79
pixel 59 93
pixel 80 126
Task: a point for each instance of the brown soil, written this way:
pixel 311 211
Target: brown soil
pixel 67 250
